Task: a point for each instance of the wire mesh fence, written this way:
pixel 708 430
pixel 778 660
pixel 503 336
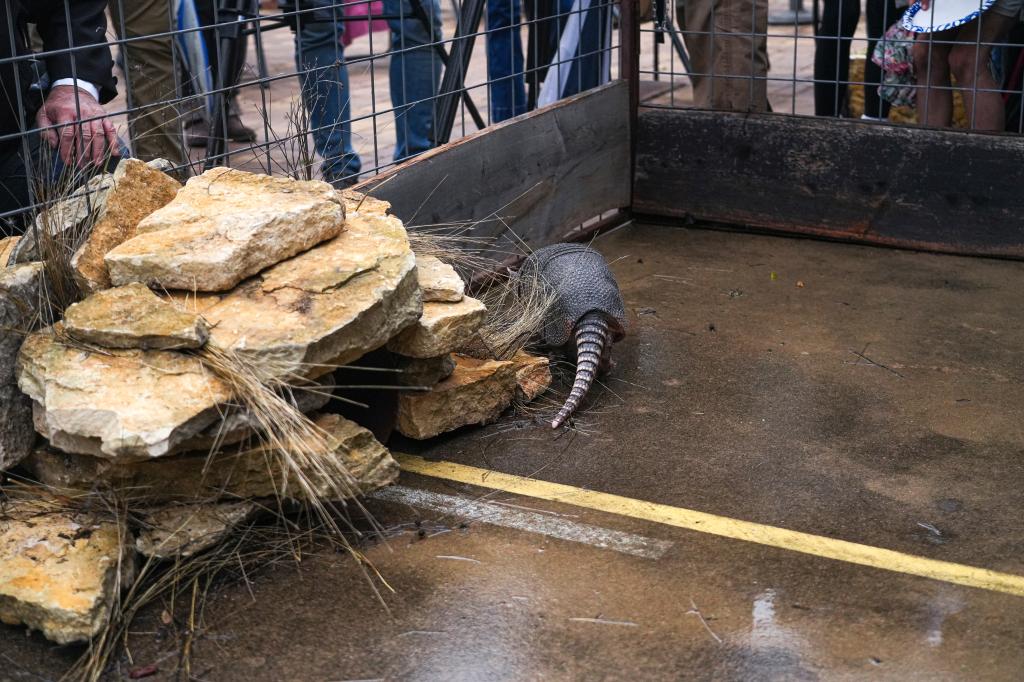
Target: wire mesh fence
pixel 943 63
pixel 313 89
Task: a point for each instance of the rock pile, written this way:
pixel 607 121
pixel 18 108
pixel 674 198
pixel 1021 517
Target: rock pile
pixel 288 280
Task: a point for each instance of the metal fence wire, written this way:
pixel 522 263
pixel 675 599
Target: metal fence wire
pixel 943 63
pixel 306 88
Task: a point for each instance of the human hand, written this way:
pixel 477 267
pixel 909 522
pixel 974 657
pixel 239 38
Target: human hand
pixel 925 4
pixel 78 140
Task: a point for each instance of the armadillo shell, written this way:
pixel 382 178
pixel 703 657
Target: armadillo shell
pixel 582 283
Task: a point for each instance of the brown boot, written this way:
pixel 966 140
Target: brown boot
pixel 238 131
pixel 198 132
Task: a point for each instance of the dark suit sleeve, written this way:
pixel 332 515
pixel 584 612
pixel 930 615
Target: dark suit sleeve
pixel 86 31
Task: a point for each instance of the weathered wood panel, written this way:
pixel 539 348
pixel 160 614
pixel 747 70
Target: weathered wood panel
pixel 901 186
pixel 528 180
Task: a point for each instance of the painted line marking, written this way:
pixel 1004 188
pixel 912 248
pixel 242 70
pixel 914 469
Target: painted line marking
pixel 723 526
pixel 530 521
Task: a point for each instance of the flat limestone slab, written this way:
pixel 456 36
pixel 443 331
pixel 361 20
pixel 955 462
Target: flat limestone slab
pixel 59 572
pixel 124 405
pixel 438 281
pixel 477 392
pixel 443 328
pixel 224 226
pixel 132 316
pixel 533 375
pixel 236 423
pixel 17 436
pixel 7 245
pixel 138 189
pixel 327 306
pixel 424 371
pixel 183 530
pixel 229 475
pixel 20 290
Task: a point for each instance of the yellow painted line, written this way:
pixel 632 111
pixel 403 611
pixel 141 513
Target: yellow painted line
pixel 748 531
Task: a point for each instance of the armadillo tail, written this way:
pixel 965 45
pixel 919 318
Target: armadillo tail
pixel 591 338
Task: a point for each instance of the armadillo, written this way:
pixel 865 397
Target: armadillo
pixel 586 307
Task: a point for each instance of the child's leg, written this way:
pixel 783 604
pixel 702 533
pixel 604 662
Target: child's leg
pixel 969 62
pixel 931 64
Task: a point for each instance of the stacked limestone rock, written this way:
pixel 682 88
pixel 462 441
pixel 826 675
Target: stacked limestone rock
pixel 464 389
pixel 290 278
pixel 268 270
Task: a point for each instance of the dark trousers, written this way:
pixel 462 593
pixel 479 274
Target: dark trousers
pixel 832 54
pixel 15 194
pixel 50 179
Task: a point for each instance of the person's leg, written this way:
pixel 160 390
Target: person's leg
pixel 505 60
pixel 15 194
pixel 881 14
pixel 832 55
pixel 593 41
pixel 969 62
pixel 415 73
pixel 694 18
pixel 154 125
pixel 324 84
pixel 931 66
pixel 740 55
pixel 542 41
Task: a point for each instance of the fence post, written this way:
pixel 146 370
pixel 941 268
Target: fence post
pixel 629 70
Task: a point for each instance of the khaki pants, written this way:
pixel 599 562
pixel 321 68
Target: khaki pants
pixel 155 127
pixel 730 67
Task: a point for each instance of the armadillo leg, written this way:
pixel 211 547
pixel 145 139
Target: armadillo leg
pixel 591 339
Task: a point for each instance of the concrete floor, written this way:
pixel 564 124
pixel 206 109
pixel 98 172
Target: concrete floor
pixel 880 403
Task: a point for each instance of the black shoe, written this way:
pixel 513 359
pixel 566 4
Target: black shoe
pixel 343 183
pixel 196 134
pixel 237 131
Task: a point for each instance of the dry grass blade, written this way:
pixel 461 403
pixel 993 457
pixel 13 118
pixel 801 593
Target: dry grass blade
pixel 239 556
pixel 517 307
pixel 305 453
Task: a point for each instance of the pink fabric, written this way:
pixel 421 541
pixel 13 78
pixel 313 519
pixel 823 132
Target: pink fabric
pixel 355 29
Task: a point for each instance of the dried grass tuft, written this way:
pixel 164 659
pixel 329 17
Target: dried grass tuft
pixel 305 453
pixel 517 307
pixel 56 245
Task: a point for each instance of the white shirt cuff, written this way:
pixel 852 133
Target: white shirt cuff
pixel 85 86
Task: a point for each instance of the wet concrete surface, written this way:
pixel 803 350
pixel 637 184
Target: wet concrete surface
pixel 879 402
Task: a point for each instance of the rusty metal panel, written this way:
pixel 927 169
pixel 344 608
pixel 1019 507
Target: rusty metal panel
pixel 954 192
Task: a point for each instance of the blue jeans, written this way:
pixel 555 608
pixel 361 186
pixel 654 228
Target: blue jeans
pixel 505 59
pixel 415 74
pixel 318 54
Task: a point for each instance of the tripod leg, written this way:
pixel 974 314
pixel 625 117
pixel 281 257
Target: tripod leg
pixel 454 75
pixel 677 43
pixel 230 56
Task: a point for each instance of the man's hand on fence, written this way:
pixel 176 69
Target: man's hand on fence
pixel 78 140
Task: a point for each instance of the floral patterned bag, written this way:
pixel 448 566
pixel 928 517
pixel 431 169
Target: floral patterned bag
pixel 894 54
